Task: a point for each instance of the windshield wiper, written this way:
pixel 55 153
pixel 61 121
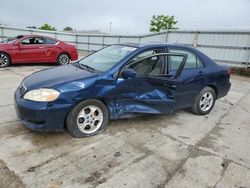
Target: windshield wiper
pixel 86 67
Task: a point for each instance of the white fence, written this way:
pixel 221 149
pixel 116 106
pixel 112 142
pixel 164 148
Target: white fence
pixel 230 47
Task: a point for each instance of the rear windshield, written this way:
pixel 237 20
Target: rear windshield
pixel 9 40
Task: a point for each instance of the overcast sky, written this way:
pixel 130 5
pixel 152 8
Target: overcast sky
pixel 127 16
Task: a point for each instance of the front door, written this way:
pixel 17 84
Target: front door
pixel 152 90
pixel 31 49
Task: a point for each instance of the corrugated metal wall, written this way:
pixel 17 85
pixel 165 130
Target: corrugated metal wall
pixel 230 47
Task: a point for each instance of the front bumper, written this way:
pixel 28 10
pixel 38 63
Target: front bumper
pixel 40 116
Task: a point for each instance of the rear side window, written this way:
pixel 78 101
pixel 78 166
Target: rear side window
pixel 192 62
pixel 50 41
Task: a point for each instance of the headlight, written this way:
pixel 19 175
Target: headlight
pixel 42 95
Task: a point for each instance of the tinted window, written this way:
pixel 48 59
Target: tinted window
pixel 50 41
pixel 32 40
pixel 192 60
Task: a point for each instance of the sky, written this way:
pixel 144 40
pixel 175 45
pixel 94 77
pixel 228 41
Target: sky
pixel 127 16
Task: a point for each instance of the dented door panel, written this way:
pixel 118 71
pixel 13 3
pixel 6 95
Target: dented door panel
pixel 139 95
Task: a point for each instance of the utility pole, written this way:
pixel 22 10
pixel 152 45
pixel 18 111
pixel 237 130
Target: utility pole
pixel 110 26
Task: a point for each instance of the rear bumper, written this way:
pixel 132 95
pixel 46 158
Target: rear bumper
pixel 223 90
pixel 74 56
pixel 38 116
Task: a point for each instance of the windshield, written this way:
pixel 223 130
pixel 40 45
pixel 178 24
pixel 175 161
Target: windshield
pixel 9 40
pixel 107 57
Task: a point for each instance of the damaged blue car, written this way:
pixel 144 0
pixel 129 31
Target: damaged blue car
pixel 120 81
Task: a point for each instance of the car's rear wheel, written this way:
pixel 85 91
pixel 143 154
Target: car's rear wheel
pixel 63 59
pixel 87 118
pixel 204 101
pixel 4 60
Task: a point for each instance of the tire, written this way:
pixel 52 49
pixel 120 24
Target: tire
pixel 4 60
pixel 63 59
pixel 204 101
pixel 88 118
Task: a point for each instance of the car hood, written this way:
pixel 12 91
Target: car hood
pixel 55 76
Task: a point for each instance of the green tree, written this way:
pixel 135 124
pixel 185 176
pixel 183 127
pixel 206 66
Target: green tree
pixel 68 28
pixel 162 22
pixel 47 27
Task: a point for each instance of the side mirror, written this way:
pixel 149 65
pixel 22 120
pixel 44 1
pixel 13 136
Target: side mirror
pixel 128 73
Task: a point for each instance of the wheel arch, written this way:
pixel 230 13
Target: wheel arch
pixel 214 88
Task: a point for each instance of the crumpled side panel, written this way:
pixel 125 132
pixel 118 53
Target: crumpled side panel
pixel 131 97
pixel 153 95
pixel 152 102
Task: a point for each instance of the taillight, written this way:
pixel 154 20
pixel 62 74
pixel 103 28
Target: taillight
pixel 229 71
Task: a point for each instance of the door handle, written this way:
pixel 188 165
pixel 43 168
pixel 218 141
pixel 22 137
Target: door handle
pixel 41 47
pixel 200 72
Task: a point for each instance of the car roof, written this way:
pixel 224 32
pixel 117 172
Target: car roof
pixel 25 36
pixel 150 45
pixel 156 44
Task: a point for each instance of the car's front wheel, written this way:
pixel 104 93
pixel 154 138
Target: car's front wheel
pixel 63 59
pixel 4 60
pixel 87 118
pixel 204 101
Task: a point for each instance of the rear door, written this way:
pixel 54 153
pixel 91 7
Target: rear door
pixel 152 90
pixel 193 77
pixel 51 49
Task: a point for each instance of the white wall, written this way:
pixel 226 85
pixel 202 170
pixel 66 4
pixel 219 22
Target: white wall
pixel 230 47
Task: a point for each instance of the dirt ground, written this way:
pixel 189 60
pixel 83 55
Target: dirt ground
pixel 179 150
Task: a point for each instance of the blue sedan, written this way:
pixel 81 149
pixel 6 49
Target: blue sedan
pixel 120 81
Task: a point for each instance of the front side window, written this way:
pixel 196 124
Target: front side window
pixel 32 40
pixel 192 62
pixel 149 66
pixel 107 57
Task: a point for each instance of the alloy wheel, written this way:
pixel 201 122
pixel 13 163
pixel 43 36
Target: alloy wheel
pixel 4 60
pixel 64 59
pixel 89 119
pixel 206 101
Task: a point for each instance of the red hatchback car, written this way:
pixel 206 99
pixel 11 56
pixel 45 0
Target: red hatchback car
pixel 35 48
